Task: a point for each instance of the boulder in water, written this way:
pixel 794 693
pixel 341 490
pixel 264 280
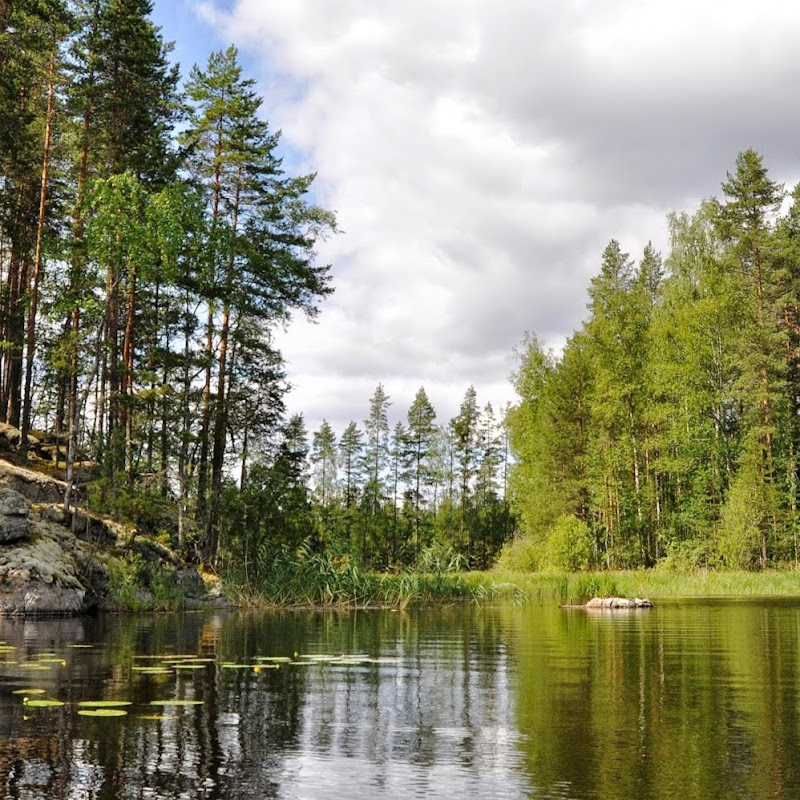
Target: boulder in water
pixel 618 602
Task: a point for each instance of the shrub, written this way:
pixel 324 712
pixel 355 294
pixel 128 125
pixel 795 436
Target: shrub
pixel 521 554
pixel 569 545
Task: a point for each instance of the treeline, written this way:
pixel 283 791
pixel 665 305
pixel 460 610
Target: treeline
pixel 416 494
pixel 669 428
pixel 150 242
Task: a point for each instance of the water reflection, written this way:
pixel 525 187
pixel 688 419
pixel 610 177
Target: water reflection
pixel 691 700
pixel 434 692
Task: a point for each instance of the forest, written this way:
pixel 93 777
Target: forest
pixel 667 431
pixel 151 244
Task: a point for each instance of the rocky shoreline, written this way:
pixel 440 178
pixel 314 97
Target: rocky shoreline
pixel 57 563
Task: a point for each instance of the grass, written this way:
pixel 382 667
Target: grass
pixel 653 584
pixel 310 579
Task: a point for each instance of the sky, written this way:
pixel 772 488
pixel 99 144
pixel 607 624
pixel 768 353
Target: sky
pixel 480 154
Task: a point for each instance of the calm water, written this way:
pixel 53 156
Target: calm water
pixel 688 700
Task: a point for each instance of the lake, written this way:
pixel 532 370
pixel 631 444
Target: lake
pixel 690 699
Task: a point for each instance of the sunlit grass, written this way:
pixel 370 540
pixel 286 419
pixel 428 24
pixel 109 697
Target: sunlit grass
pixel 654 584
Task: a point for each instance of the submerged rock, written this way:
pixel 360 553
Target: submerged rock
pixel 618 602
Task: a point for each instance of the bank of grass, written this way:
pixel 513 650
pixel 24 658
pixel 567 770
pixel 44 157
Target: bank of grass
pixel 310 579
pixel 324 581
pixel 654 584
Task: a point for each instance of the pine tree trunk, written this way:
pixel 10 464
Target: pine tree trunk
pixel 37 266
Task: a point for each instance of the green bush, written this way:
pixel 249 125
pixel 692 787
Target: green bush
pixel 569 545
pixel 521 554
pixel 126 578
pixel 743 517
pixel 686 556
pixel 439 557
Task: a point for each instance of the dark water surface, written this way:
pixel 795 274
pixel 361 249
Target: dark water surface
pixel 695 699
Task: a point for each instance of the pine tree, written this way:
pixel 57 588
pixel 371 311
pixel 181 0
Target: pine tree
pixel 323 459
pixel 419 442
pixel 745 221
pixel 464 427
pixel 262 236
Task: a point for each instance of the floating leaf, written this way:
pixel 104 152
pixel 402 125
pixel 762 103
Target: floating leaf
pixel 52 660
pixel 44 703
pixel 102 712
pixel 157 716
pixel 184 665
pixel 29 691
pixel 167 656
pixel 80 646
pixel 276 659
pixel 104 703
pixel 152 670
pixel 167 703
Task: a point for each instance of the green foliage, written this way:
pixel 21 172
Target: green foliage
pixel 687 555
pixel 304 577
pixel 126 581
pixel 740 535
pixel 585 587
pixel 439 557
pixel 569 545
pixel 143 507
pixel 520 554
pixel 138 583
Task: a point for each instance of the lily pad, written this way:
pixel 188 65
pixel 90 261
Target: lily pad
pixel 152 670
pixel 102 712
pixel 169 703
pixel 166 656
pixel 29 691
pixel 104 703
pixel 43 703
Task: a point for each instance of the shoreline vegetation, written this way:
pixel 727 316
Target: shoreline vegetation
pixel 328 586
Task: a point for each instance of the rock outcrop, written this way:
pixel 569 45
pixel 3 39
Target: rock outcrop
pixel 57 563
pixel 617 602
pixel 40 573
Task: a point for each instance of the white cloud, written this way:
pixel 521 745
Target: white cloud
pixel 481 154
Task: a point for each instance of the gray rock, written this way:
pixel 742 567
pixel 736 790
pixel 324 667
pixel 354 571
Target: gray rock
pixel 190 584
pixel 37 598
pixel 618 602
pixel 36 487
pixel 41 576
pixel 14 511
